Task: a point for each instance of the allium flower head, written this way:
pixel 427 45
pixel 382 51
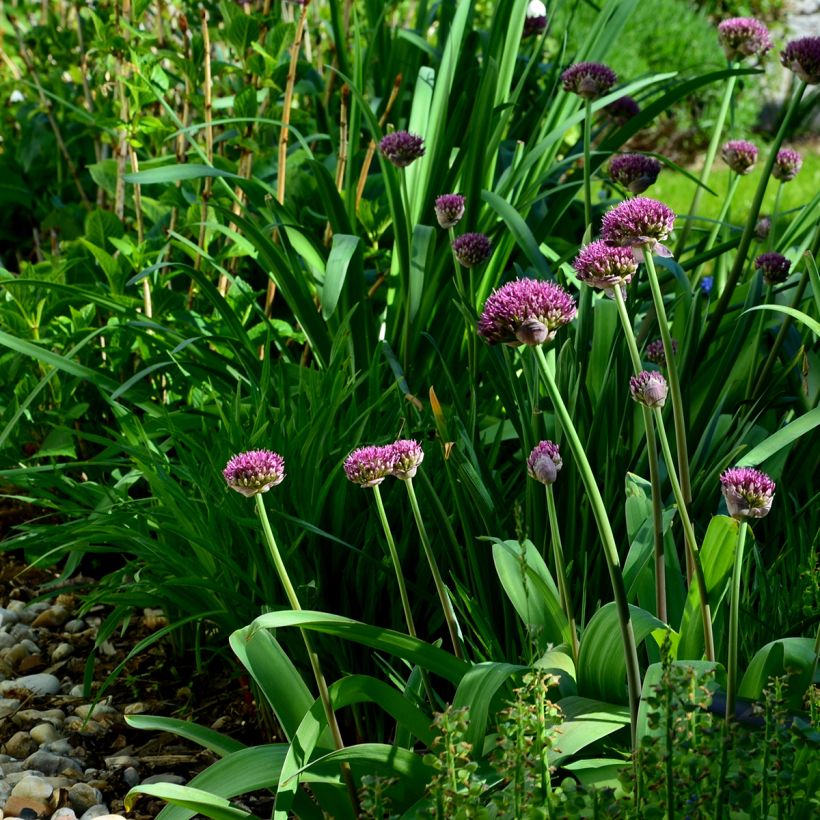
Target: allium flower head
pixel 402 147
pixel 748 492
pixel 803 58
pixel 605 266
pixel 743 37
pixel 254 471
pixel 369 466
pixel 588 80
pixel 787 164
pixel 636 172
pixel 544 462
pixel 525 311
pixel 471 249
pixel 739 155
pixel 775 267
pixel 449 209
pixel 406 457
pixel 763 226
pixel 638 222
pixel 622 110
pixel 536 19
pixel 656 354
pixel 649 387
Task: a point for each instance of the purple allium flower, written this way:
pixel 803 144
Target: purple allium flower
pixel 536 19
pixel 369 466
pixel 622 110
pixel 605 266
pixel 763 226
pixel 254 471
pixel 471 249
pixel 406 457
pixel 525 311
pixel 402 147
pixel 449 209
pixel 739 155
pixel 775 267
pixel 743 37
pixel 787 165
pixel 656 354
pixel 639 222
pixel 588 80
pixel 649 387
pixel 544 462
pixel 748 492
pixel 636 172
pixel 707 283
pixel 803 58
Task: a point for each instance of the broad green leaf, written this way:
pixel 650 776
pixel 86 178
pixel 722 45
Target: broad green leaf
pixel 598 772
pixel 812 324
pixel 176 173
pixel 559 663
pixel 782 438
pixel 795 657
pixel 187 797
pixel 586 721
pixel 421 255
pixel 341 252
pixel 209 739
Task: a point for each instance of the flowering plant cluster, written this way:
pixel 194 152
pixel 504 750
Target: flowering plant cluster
pixel 369 466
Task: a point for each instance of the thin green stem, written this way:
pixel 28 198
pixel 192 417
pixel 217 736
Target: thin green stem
pixel 587 164
pixel 734 615
pixel 654 474
pixel 672 370
pixel 561 573
pixel 708 161
pixel 734 179
pixel 689 539
pixel 775 215
pixel 406 294
pixel 405 599
pixel 757 335
pixel 293 599
pixel 444 598
pixel 633 671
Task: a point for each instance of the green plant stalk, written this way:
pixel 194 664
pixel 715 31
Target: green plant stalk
pixel 708 161
pixel 751 220
pixel 757 335
pixel 587 164
pixel 471 340
pixel 405 599
pixel 734 179
pixel 689 538
pixel 674 380
pixel 775 215
pixel 406 330
pixel 561 572
pixel 734 614
pixel 444 598
pixel 293 599
pixel 654 474
pixel 633 671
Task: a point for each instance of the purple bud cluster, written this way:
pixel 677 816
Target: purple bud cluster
pixel 605 266
pixel 743 37
pixel 450 209
pixel 472 249
pixel 802 56
pixel 656 354
pixel 739 155
pixel 639 222
pixel 369 466
pixel 636 172
pixel 775 267
pixel 649 388
pixel 748 492
pixel 787 165
pixel 544 462
pixel 402 147
pixel 588 80
pixel 254 472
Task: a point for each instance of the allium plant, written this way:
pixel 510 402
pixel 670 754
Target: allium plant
pixel 649 388
pixel 787 164
pixel 588 80
pixel 802 56
pixel 622 110
pixel 742 37
pixel 641 223
pixel 402 148
pixel 763 227
pixel 535 20
pixel 471 249
pixel 449 209
pixel 774 266
pixel 368 466
pixel 604 266
pixel 254 472
pixel 739 155
pixel 636 172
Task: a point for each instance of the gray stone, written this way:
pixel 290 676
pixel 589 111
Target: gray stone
pixel 118 761
pixel 54 716
pixel 65 813
pixel 50 764
pixel 77 691
pixel 8 617
pixel 43 733
pixel 131 777
pixel 32 647
pixel 22 631
pixel 8 706
pixel 95 812
pixel 74 626
pixel 34 787
pixel 60 747
pixel 14 654
pixel 22 611
pixel 166 777
pixel 61 652
pixel 6 640
pixel 20 745
pixel 41 684
pixel 12 768
pixel 82 797
pixel 99 710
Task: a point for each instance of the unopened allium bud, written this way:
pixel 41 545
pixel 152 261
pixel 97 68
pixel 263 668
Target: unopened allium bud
pixel 622 110
pixel 787 165
pixel 649 387
pixel 535 20
pixel 743 37
pixel 369 466
pixel 656 354
pixel 406 457
pixel 525 311
pixel 774 266
pixel 471 249
pixel 588 80
pixel 605 266
pixel 544 462
pixel 638 223
pixel 763 226
pixel 739 155
pixel 254 471
pixel 449 209
pixel 636 172
pixel 803 58
pixel 402 147
pixel 748 492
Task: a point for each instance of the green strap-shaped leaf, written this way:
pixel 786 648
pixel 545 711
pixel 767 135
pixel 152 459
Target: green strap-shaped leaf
pixel 812 324
pixel 586 721
pixel 782 438
pixel 795 657
pixel 341 252
pixel 187 797
pixel 176 173
pixel 207 738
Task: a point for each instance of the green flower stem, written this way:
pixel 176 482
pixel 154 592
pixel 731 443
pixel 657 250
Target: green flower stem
pixel 709 159
pixel 751 221
pixel 444 598
pixel 734 179
pixel 689 539
pixel 654 474
pixel 734 614
pixel 633 671
pixel 561 572
pixel 406 295
pixel 757 336
pixel 293 599
pixel 405 599
pixel 775 214
pixel 672 370
pixel 587 164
